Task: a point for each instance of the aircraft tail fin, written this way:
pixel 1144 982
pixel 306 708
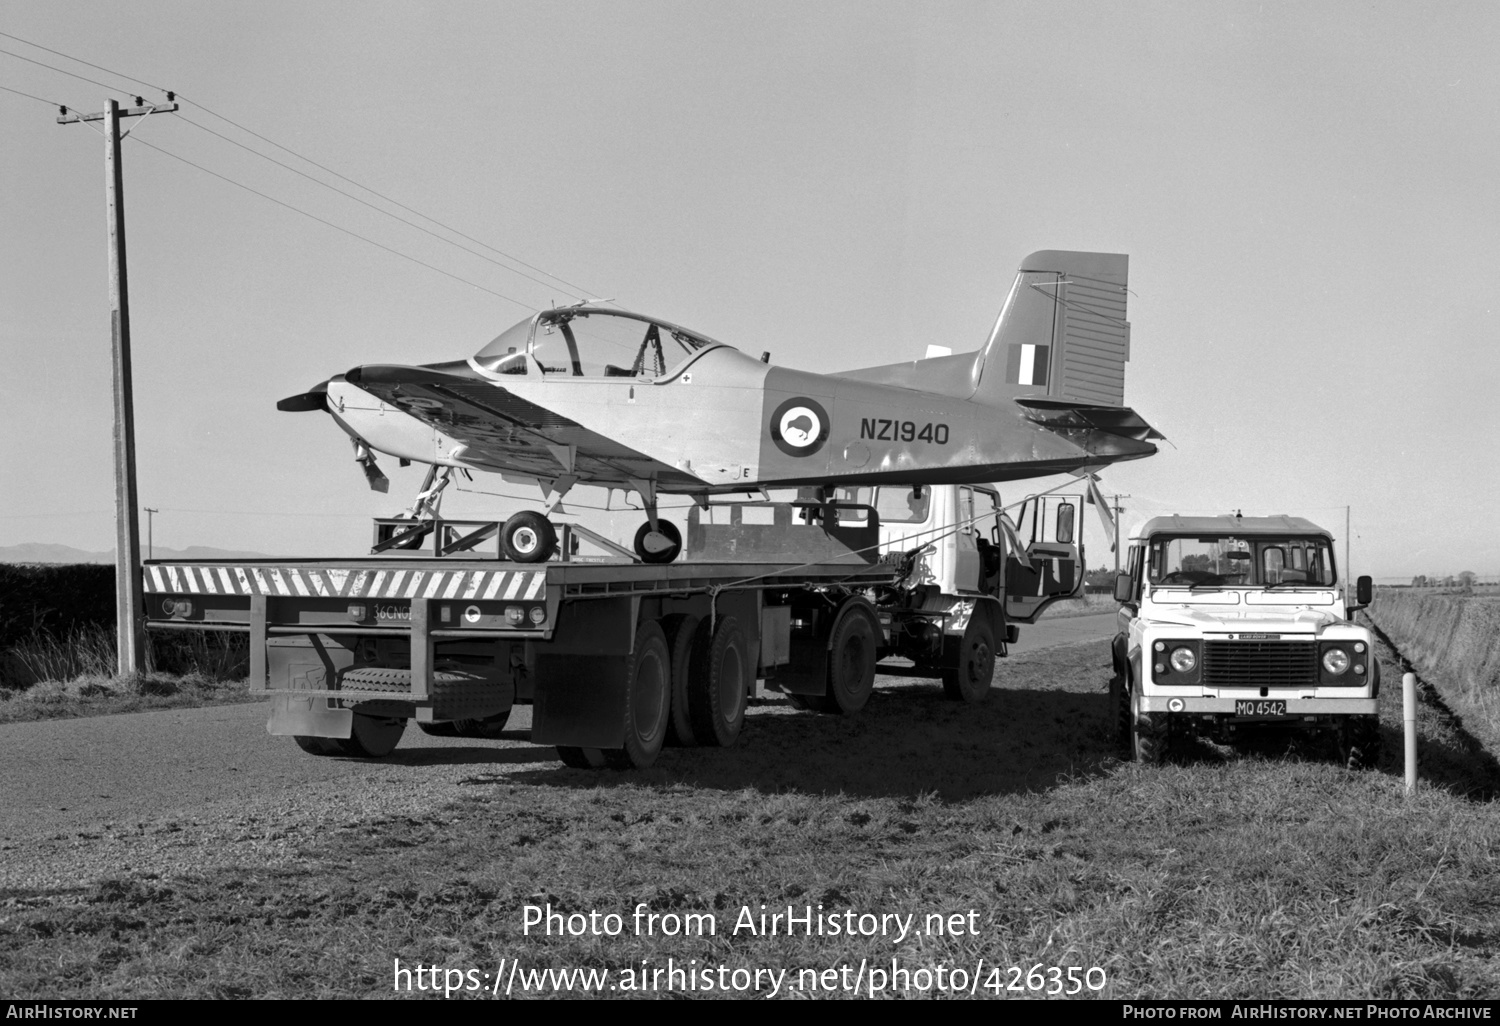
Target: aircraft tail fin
pixel 1062 330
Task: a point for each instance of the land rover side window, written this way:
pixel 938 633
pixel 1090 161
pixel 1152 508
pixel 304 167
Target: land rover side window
pixel 1296 561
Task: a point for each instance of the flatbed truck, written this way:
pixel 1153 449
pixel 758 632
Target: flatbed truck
pixel 618 657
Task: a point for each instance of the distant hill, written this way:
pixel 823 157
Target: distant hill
pixel 36 552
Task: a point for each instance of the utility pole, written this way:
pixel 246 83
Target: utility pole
pixel 130 635
pixel 1118 510
pixel 150 540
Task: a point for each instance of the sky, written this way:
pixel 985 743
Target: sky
pixel 1307 192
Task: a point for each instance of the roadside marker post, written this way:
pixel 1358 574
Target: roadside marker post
pixel 1409 718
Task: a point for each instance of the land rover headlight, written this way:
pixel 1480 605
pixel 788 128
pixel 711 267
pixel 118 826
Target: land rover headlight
pixel 1183 660
pixel 1336 661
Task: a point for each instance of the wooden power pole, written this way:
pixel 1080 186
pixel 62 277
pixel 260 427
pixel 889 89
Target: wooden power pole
pixel 130 620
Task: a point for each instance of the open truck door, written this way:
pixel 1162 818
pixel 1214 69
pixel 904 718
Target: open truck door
pixel 1043 555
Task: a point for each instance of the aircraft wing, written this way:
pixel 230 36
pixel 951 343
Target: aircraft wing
pixel 499 430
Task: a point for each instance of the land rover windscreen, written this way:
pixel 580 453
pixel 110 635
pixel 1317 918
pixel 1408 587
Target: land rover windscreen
pixel 1240 561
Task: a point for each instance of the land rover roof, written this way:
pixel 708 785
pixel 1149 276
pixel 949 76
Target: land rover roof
pixel 1239 527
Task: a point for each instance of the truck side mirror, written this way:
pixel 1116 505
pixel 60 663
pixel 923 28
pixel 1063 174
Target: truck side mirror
pixel 1124 588
pixel 1065 524
pixel 1363 591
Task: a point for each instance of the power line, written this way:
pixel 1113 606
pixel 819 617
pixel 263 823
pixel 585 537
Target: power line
pixel 372 206
pixel 29 96
pixel 60 71
pixel 79 60
pixel 330 224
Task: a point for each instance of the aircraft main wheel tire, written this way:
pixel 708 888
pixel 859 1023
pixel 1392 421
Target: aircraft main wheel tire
pixel 969 681
pixel 444 729
pixel 373 737
pixel 1360 742
pixel 681 630
pixel 648 700
pixel 318 745
pixel 851 664
pixel 528 537
pixel 661 546
pixel 581 758
pixel 717 684
pixel 486 728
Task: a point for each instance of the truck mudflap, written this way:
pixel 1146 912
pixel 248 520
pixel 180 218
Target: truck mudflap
pixel 1295 707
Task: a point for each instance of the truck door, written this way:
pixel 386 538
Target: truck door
pixel 1048 535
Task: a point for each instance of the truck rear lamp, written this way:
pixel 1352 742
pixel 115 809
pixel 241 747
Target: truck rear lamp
pixel 357 611
pixel 538 614
pixel 445 613
pixel 515 615
pixel 177 607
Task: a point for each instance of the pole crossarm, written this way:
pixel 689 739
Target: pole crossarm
pixel 125 112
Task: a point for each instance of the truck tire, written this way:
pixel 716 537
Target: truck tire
pixel 372 737
pixel 1360 742
pixel 969 681
pixel 681 630
pixel 486 728
pixel 318 745
pixel 717 684
pixel 851 664
pixel 648 700
pixel 528 537
pixel 580 758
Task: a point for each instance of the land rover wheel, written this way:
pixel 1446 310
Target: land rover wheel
pixel 969 681
pixel 1149 734
pixel 1119 713
pixel 1360 742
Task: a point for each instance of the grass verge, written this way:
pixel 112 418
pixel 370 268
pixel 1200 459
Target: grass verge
pixel 1266 871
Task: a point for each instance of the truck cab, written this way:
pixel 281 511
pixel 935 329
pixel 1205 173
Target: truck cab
pixel 970 574
pixel 1236 622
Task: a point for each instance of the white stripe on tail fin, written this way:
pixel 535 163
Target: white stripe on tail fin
pixel 1062 330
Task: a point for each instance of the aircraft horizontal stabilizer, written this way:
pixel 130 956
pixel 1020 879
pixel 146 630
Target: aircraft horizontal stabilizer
pixel 1071 414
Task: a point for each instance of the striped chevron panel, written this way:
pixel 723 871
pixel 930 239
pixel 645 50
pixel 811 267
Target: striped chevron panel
pixel 504 585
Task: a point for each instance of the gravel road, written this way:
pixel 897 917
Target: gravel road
pixel 187 789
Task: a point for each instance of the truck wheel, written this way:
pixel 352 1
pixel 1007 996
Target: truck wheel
pixel 648 700
pixel 680 629
pixel 1148 737
pixel 1360 742
pixel 851 665
pixel 373 737
pixel 486 728
pixel 528 537
pixel 969 681
pixel 716 684
pixel 580 758
pixel 318 745
pixel 658 546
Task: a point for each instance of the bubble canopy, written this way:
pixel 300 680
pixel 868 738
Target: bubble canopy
pixel 589 342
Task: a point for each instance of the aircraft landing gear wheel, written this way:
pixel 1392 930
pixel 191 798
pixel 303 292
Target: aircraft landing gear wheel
pixel 969 681
pixel 717 684
pixel 681 630
pixel 648 700
pixel 580 758
pixel 660 546
pixel 528 537
pixel 373 737
pixel 851 664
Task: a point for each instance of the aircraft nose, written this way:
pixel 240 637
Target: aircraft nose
pixel 315 398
